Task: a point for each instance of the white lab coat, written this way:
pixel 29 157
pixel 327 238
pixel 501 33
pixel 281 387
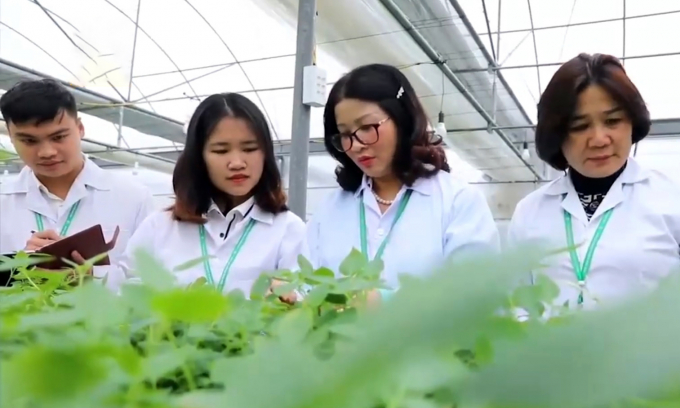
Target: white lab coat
pixel 444 217
pixel 105 198
pixel 274 243
pixel 638 248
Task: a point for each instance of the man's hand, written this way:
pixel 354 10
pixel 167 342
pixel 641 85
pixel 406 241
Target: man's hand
pixel 77 258
pixel 41 239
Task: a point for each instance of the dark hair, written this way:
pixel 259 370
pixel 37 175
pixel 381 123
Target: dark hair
pixel 37 102
pixel 191 183
pixel 560 100
pixel 415 145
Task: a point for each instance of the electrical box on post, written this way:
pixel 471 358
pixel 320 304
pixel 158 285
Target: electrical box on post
pixel 314 86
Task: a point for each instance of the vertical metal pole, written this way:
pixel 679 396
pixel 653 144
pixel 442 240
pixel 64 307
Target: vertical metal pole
pixel 299 146
pixel 121 139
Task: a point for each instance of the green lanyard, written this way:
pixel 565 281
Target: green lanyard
pixel 582 270
pixel 232 258
pixel 69 219
pixel 362 225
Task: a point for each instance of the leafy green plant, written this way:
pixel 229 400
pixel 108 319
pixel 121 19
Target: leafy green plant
pixel 450 340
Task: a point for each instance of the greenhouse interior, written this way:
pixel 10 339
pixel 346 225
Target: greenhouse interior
pixel 138 69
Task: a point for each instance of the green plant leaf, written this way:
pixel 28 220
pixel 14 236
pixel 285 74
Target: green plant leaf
pixel 295 326
pixel 547 289
pixel 483 350
pixel 634 349
pixel 196 305
pixel 373 269
pixel 99 307
pixel 306 267
pixel 50 374
pixel 285 289
pixel 324 272
pixel 22 260
pixel 316 296
pixel 461 299
pixel 191 263
pixel 52 319
pixel 261 287
pixel 353 264
pixel 152 272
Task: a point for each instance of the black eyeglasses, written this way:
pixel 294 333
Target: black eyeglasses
pixel 365 134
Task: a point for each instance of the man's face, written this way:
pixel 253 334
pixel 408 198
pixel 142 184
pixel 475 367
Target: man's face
pixel 50 149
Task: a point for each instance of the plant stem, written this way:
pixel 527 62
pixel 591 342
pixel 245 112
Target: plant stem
pixel 185 367
pixel 31 282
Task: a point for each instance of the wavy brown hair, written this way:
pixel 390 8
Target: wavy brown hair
pixel 416 147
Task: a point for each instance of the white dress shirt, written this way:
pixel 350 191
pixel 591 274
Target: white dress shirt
pixel 444 217
pixel 274 243
pixel 105 198
pixel 638 247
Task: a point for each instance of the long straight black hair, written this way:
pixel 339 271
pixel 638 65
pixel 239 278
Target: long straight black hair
pixel 193 189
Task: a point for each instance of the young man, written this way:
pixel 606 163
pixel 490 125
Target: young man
pixel 60 192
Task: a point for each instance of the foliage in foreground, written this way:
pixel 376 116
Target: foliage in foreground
pixel 436 343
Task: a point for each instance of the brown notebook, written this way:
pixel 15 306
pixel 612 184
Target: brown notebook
pixel 89 243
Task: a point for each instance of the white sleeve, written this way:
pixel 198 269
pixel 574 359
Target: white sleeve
pixel 313 236
pixel 142 238
pixel 146 208
pixel 514 239
pixel 294 243
pixel 471 228
pixel 116 272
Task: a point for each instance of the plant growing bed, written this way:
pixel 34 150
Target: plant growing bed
pixel 446 341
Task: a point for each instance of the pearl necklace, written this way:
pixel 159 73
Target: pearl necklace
pixel 381 200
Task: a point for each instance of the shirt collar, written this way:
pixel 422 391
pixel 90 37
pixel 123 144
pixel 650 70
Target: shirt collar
pixel 91 175
pixel 244 210
pixel 633 173
pixel 422 185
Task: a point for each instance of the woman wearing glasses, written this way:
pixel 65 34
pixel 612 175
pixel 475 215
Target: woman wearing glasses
pixel 397 200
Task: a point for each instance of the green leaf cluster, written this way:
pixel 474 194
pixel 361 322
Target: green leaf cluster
pixel 448 340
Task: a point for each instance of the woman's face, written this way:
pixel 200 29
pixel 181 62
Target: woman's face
pixel 600 135
pixel 372 126
pixel 234 158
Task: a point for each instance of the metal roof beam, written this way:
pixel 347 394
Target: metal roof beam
pixel 441 63
pixel 100 106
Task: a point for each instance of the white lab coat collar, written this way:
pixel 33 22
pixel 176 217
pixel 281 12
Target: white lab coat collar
pixel 245 209
pixel 422 185
pixel 27 183
pixel 633 173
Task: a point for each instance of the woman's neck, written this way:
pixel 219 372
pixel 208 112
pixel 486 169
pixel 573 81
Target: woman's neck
pixel 589 185
pixel 227 203
pixel 387 187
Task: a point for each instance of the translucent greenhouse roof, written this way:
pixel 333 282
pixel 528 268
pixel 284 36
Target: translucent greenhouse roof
pixel 532 38
pixel 163 56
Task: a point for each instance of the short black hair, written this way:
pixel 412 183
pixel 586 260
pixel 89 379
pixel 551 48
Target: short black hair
pixel 416 147
pixel 560 100
pixel 190 180
pixel 37 102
